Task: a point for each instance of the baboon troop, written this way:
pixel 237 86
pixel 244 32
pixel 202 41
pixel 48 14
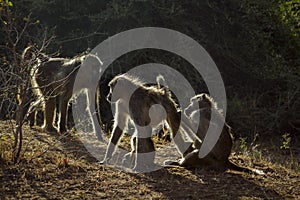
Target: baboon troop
pixel 145 106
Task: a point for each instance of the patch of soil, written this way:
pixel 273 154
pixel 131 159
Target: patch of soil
pixel 60 167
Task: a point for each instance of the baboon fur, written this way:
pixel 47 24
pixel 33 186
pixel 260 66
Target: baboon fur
pixel 30 57
pixel 217 158
pixel 54 79
pixel 139 104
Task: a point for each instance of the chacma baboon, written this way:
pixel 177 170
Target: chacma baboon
pixel 54 78
pixel 217 158
pixel 29 58
pixel 129 158
pixel 146 107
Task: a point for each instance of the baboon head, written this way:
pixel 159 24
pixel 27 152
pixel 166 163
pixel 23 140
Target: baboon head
pixel 197 102
pixel 121 87
pixel 108 97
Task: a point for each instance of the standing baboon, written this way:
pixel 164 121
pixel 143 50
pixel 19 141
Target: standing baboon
pixel 30 57
pixel 54 78
pixel 140 103
pixel 217 158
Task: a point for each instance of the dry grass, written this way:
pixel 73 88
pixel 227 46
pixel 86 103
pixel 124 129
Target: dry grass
pixel 62 169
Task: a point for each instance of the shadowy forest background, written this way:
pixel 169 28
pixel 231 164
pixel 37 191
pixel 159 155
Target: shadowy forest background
pixel 255 44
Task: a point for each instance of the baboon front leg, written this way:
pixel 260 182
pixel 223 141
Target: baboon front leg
pixel 49 116
pixel 113 141
pixel 177 134
pixel 121 120
pixel 184 148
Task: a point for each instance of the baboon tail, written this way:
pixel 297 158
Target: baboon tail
pixel 161 82
pixel 27 52
pixel 34 106
pixel 233 166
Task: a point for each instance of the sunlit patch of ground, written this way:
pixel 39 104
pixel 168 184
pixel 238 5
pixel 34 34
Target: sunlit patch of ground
pixel 53 167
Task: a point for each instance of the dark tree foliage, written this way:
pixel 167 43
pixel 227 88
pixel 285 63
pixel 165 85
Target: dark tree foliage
pixel 255 44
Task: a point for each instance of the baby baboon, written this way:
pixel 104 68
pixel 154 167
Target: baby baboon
pixel 141 104
pixel 217 159
pixel 54 78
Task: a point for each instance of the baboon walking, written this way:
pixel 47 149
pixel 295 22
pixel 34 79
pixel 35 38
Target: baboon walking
pixel 54 78
pixel 141 104
pixel 217 158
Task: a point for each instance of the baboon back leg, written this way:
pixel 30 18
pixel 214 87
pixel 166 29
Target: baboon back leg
pixel 129 159
pixel 114 139
pixel 145 152
pixel 92 110
pixel 49 116
pixel 63 108
pixel 32 119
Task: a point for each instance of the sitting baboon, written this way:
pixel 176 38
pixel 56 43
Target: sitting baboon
pixel 54 78
pixel 217 158
pixel 146 107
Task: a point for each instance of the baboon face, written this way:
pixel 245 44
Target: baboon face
pixel 193 106
pixel 112 85
pixel 197 102
pixel 120 88
pixel 108 97
pixel 119 85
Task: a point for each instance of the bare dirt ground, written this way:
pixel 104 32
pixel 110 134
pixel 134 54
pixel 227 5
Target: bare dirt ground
pixel 56 167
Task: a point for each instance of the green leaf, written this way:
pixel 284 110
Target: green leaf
pixel 4 137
